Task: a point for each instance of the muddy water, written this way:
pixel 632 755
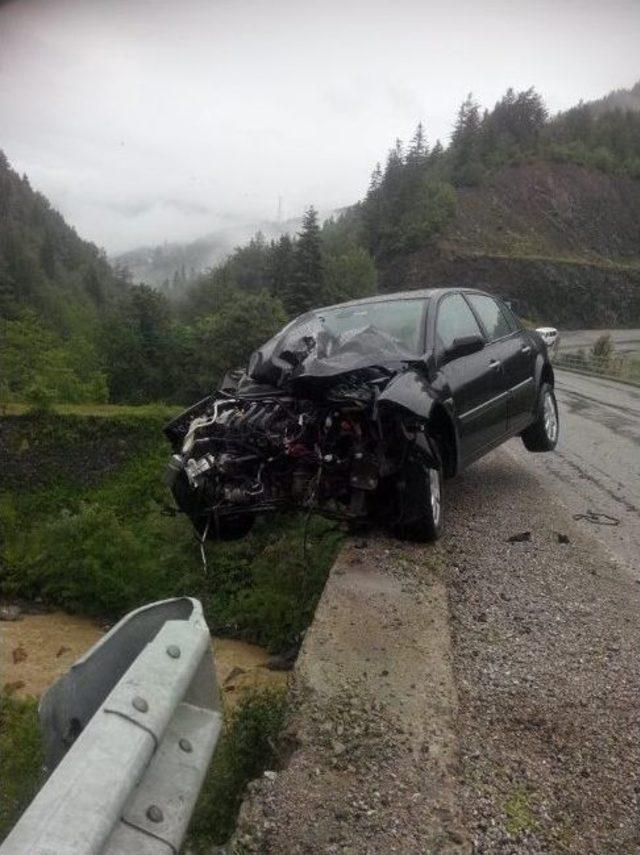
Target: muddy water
pixel 37 649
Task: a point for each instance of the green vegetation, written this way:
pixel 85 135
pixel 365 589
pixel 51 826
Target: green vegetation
pixel 520 817
pixel 247 748
pixel 21 770
pixel 83 525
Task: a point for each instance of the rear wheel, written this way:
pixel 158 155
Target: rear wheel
pixel 542 435
pixel 420 497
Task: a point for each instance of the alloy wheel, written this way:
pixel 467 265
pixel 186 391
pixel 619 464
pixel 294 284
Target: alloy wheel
pixel 550 418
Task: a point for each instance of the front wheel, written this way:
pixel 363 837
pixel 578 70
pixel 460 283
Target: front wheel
pixel 542 435
pixel 420 497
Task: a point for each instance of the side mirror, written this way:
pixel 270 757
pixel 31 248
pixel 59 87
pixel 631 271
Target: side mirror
pixel 464 346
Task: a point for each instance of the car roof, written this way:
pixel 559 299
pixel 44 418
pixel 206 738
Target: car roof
pixel 416 294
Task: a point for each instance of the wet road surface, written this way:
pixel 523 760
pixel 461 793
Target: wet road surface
pixel 595 470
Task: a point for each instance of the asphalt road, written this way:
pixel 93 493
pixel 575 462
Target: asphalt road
pixel 595 469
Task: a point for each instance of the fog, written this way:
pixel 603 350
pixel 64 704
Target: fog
pixel 150 120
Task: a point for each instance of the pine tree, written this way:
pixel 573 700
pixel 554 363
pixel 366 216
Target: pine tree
pixel 466 141
pixel 467 127
pixel 281 266
pixel 308 281
pixel 418 149
pixel 376 179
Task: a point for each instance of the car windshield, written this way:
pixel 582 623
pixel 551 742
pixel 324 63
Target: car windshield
pixel 402 320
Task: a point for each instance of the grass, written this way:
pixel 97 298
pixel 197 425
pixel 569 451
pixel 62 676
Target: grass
pixel 247 748
pixel 520 817
pixel 98 410
pixel 21 769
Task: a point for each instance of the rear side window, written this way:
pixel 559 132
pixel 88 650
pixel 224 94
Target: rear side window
pixel 455 320
pixel 512 320
pixel 491 316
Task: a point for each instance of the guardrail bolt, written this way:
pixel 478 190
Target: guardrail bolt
pixel 185 745
pixel 174 651
pixel 140 704
pixel 154 813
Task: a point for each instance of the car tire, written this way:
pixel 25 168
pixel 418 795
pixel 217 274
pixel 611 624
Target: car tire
pixel 225 528
pixel 419 489
pixel 542 435
pixel 228 528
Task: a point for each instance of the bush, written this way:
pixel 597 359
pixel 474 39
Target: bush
pixel 21 758
pixel 105 548
pixel 247 748
pixel 602 351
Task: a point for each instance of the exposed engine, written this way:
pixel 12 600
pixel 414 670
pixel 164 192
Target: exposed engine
pixel 238 456
pixel 324 419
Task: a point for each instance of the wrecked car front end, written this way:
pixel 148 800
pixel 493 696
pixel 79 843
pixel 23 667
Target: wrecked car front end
pixel 313 424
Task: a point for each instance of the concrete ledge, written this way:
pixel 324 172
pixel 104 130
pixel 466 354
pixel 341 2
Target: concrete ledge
pixel 374 756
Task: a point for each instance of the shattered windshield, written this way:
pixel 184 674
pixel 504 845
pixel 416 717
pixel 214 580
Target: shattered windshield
pixel 402 320
pixel 341 339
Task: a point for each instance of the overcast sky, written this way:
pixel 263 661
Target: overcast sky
pixel 146 120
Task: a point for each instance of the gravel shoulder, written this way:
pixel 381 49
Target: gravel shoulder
pixel 546 639
pixel 482 695
pixel 374 753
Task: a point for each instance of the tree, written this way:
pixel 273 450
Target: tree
pixel 281 265
pixel 138 344
pixel 349 275
pixel 465 143
pixel 305 291
pixel 225 341
pixel 418 149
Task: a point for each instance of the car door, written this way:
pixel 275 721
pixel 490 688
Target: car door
pixel 513 348
pixel 475 381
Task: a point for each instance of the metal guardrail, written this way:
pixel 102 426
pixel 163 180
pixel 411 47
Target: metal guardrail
pixel 130 729
pixel 614 367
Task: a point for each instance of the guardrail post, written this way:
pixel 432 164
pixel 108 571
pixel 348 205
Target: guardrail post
pixel 131 729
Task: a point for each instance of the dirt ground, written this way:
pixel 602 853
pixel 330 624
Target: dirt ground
pixel 38 648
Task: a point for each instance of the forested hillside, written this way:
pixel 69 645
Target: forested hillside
pixel 544 211
pixel 74 330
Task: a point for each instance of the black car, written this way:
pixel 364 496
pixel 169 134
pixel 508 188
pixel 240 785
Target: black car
pixel 359 410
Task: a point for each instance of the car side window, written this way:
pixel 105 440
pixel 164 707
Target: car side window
pixel 491 316
pixel 512 320
pixel 455 320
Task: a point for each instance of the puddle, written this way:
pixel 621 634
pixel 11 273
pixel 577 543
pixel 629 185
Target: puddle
pixel 37 649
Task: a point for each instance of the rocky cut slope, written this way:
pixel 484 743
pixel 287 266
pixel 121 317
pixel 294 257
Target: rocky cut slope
pixel 560 240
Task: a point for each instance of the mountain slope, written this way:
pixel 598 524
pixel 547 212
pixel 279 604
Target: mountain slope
pixel 44 265
pixel 560 240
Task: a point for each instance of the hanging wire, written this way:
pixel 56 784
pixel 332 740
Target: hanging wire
pixel 202 539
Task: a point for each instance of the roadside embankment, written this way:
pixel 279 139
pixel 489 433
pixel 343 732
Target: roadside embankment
pixel 374 753
pixel 480 695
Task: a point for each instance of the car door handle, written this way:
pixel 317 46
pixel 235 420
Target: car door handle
pixel 526 349
pixel 494 363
